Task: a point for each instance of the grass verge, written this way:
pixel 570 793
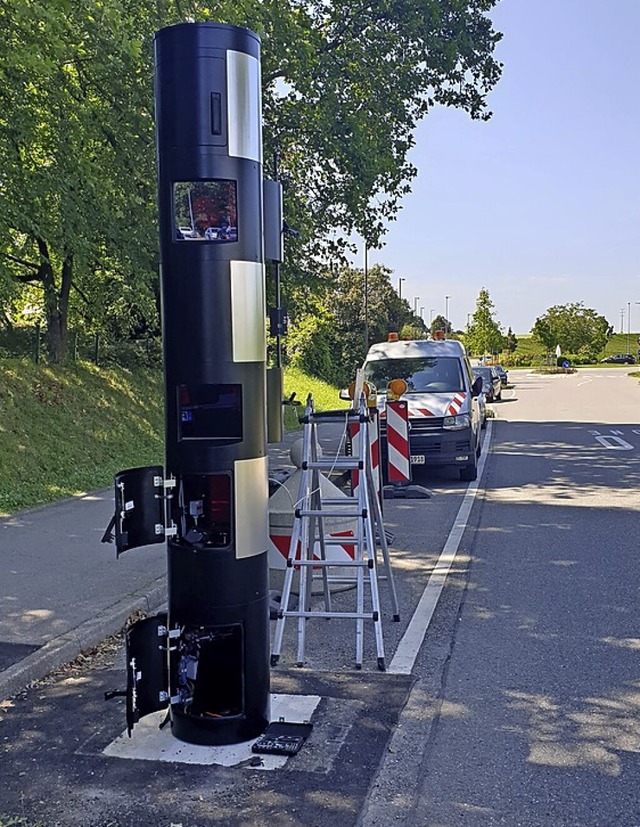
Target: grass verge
pixel 67 430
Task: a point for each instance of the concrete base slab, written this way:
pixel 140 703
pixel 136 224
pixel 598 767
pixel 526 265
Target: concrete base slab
pixel 150 743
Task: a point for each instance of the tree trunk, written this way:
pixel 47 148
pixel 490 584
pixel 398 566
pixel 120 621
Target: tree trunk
pixel 56 303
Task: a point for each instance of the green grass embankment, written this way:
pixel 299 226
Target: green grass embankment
pixel 67 430
pixel 325 396
pixel 531 352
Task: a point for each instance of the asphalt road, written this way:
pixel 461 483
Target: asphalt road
pixel 536 719
pixel 520 707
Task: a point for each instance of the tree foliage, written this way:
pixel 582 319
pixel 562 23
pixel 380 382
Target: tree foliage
pixel 76 149
pixel 330 341
pixel 510 341
pixel 573 327
pixel 440 323
pixel 344 86
pixel 483 333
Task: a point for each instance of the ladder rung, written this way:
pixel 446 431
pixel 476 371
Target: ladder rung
pixel 352 463
pixel 319 564
pixel 335 416
pixel 350 615
pixel 339 501
pixel 333 578
pixel 340 541
pixel 322 512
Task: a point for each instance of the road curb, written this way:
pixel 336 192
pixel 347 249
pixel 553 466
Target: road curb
pixel 63 649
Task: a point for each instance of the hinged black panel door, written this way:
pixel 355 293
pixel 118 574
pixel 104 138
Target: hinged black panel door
pixel 140 512
pixel 147 668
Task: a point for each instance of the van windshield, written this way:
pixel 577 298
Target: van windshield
pixel 422 374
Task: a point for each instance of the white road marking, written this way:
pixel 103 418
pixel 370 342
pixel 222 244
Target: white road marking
pixel 616 443
pixel 409 646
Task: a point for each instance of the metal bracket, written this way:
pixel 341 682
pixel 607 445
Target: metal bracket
pixel 161 482
pixel 170 633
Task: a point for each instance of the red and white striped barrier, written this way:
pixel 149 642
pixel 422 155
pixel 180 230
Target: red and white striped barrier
pixel 398 456
pixel 374 440
pixel 281 520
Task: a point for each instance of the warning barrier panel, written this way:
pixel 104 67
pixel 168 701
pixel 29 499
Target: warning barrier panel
pixel 398 457
pixel 374 439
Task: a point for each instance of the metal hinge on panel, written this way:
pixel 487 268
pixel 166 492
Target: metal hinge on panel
pixel 171 530
pixel 170 633
pixel 166 484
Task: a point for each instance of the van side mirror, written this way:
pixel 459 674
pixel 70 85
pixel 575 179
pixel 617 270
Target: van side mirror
pixel 476 388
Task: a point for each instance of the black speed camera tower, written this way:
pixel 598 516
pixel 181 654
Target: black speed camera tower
pixel 207 659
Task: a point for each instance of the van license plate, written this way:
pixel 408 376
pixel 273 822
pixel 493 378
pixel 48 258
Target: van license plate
pixel 417 459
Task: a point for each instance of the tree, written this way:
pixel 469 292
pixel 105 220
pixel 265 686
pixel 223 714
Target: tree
pixel 76 149
pixel 342 115
pixel 483 333
pixel 573 327
pixel 332 346
pixel 510 341
pixel 440 323
pixel 343 88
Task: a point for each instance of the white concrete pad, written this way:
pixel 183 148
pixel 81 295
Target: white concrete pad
pixel 150 743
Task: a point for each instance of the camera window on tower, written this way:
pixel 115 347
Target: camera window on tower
pixel 205 211
pixel 210 412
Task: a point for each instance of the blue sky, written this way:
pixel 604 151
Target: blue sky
pixel 541 204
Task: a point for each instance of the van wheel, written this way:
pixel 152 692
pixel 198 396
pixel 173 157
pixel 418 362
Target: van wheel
pixel 470 472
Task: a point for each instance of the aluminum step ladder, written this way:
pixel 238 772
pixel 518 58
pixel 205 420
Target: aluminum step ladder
pixel 309 537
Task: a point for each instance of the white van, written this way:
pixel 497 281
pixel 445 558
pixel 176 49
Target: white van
pixel 442 394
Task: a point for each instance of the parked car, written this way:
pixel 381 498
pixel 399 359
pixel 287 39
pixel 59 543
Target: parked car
pixel 491 384
pixel 443 401
pixel 482 407
pixel 619 359
pixel 504 376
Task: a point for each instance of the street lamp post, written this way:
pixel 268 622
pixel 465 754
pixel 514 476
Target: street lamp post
pixel 628 328
pixel 366 297
pixel 446 314
pixel 431 312
pixel 400 280
pixel 415 305
pixel 622 320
